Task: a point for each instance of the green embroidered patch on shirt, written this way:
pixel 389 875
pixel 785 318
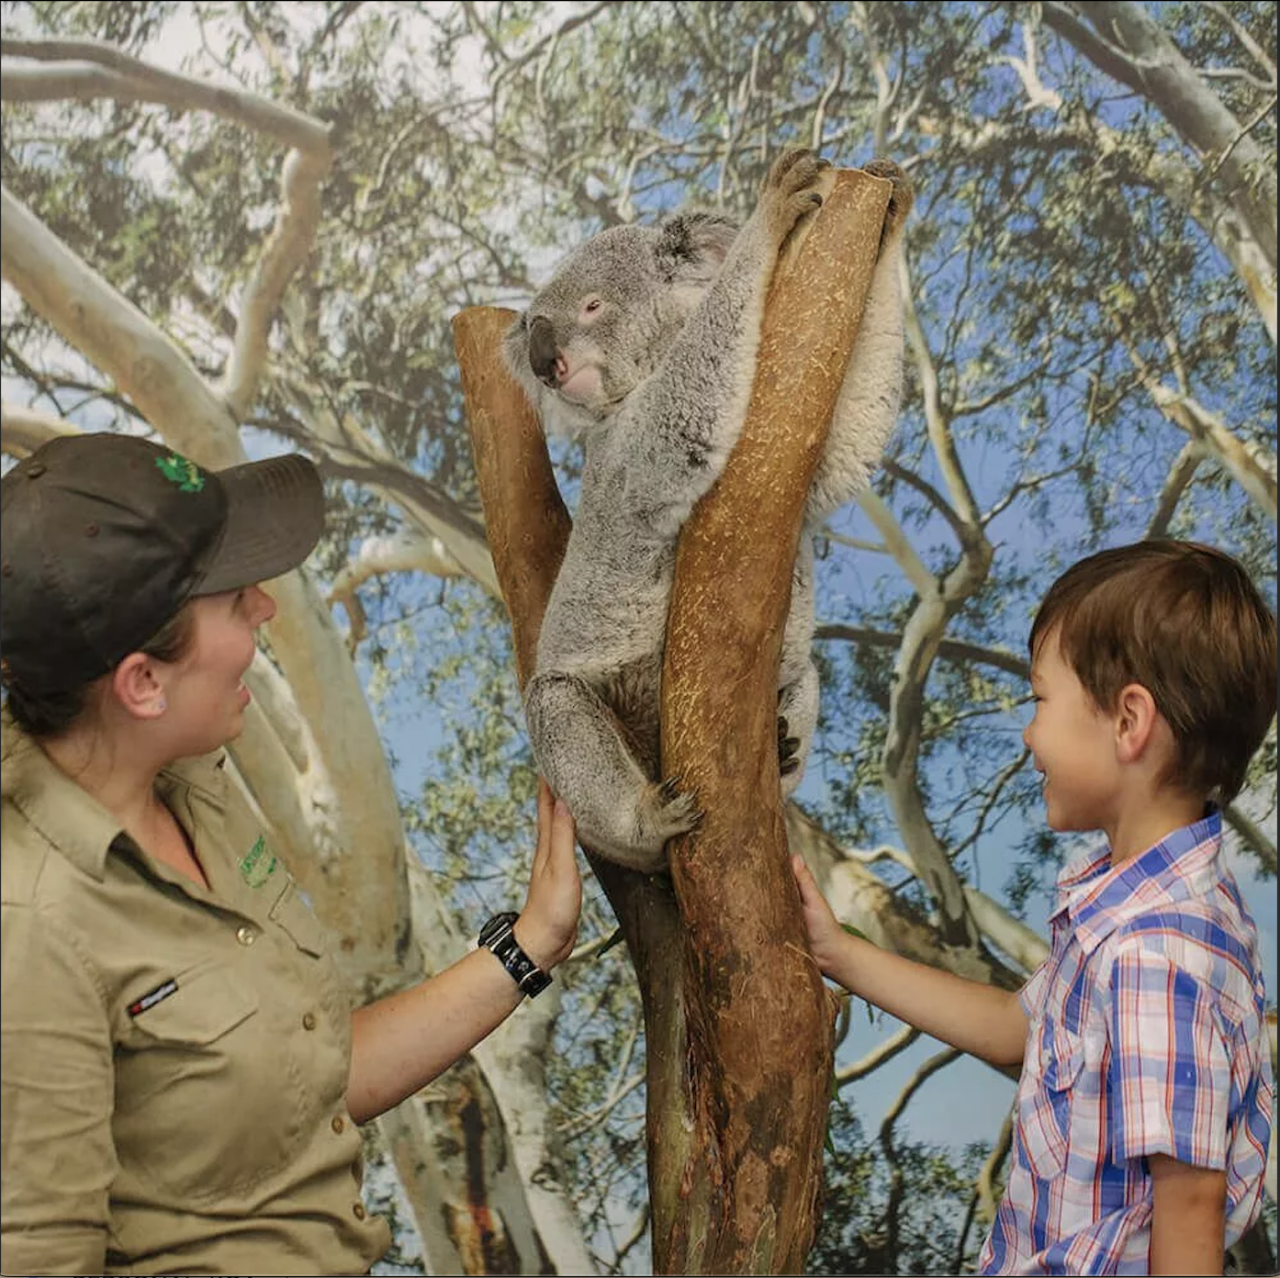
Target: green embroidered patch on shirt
pixel 259 864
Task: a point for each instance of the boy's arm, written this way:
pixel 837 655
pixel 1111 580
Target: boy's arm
pixel 1170 1083
pixel 973 1017
pixel 1188 1218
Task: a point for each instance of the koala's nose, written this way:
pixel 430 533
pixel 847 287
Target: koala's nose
pixel 542 350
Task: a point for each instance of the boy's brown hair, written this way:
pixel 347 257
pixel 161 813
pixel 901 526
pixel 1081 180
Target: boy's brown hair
pixel 1185 622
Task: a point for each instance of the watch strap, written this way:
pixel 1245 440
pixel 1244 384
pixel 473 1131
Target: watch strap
pixel 498 935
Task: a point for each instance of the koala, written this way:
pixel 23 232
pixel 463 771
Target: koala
pixel 643 346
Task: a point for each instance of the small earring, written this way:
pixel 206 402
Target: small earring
pixel 161 706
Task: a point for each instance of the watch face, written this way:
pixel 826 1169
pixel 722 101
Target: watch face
pixel 496 926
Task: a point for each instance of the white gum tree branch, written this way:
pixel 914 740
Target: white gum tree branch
pixel 938 600
pixel 351 452
pixel 949 649
pixel 882 1053
pixel 1265 62
pixel 1026 947
pixel 407 549
pixel 995 1160
pixel 99 71
pixel 859 896
pixel 1252 468
pixel 114 335
pixel 897 543
pixel 939 1060
pixel 23 430
pixel 1251 834
pixel 1181 183
pixel 86 69
pixel 1129 45
pixel 284 253
pixel 1178 480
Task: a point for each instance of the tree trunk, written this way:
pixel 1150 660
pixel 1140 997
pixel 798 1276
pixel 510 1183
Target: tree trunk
pixel 759 1022
pixel 738 1024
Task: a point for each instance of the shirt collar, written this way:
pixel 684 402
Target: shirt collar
pixel 71 819
pixel 1098 897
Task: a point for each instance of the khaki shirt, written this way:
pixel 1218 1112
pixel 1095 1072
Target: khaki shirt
pixel 174 1060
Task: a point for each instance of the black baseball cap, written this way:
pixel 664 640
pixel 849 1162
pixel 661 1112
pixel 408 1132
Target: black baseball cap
pixel 103 538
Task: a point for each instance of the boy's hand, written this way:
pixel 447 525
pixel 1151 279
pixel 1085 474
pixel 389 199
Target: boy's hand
pixel 825 933
pixel 548 923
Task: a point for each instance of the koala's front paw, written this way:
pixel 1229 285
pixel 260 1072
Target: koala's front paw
pixel 789 190
pixel 900 200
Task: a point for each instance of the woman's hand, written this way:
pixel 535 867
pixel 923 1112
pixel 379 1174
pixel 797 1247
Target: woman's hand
pixel 548 923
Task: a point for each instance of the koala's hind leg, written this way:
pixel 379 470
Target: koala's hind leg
pixel 582 752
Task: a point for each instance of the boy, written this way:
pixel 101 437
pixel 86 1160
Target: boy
pixel 1144 1106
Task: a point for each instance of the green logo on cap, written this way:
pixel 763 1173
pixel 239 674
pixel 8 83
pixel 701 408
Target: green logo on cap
pixel 178 470
pixel 259 864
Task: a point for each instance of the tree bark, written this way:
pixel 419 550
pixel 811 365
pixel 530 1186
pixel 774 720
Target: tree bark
pixel 736 1122
pixel 759 1021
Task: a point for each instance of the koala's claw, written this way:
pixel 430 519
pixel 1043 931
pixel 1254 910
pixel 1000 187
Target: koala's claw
pixel 784 164
pixel 787 194
pixel 900 199
pixel 787 748
pixel 676 811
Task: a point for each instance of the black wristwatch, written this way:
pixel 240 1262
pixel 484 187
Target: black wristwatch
pixel 498 935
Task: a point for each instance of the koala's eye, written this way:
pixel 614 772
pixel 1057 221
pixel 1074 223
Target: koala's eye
pixel 591 305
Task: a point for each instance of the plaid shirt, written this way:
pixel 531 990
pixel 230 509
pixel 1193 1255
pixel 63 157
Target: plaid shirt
pixel 1146 1036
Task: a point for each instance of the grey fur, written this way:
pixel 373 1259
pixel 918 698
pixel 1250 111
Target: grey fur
pixel 654 377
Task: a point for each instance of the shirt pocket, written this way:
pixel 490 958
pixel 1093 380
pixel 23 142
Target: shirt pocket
pixel 1046 1099
pixel 198 1112
pixel 205 1005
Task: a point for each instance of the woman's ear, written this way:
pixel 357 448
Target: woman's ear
pixel 1135 720
pixel 137 686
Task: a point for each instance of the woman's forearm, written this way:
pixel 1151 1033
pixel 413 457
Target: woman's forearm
pixel 401 1042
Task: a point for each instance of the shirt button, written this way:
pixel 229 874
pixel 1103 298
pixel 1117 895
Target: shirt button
pixel 358 1211
pixel 246 935
pixel 339 1123
pixel 309 1021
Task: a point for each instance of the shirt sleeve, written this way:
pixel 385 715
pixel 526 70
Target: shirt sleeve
pixel 1031 995
pixel 56 1080
pixel 1170 1070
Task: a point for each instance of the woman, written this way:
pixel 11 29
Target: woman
pixel 182 1074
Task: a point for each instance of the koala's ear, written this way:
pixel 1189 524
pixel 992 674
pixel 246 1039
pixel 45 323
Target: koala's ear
pixel 693 246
